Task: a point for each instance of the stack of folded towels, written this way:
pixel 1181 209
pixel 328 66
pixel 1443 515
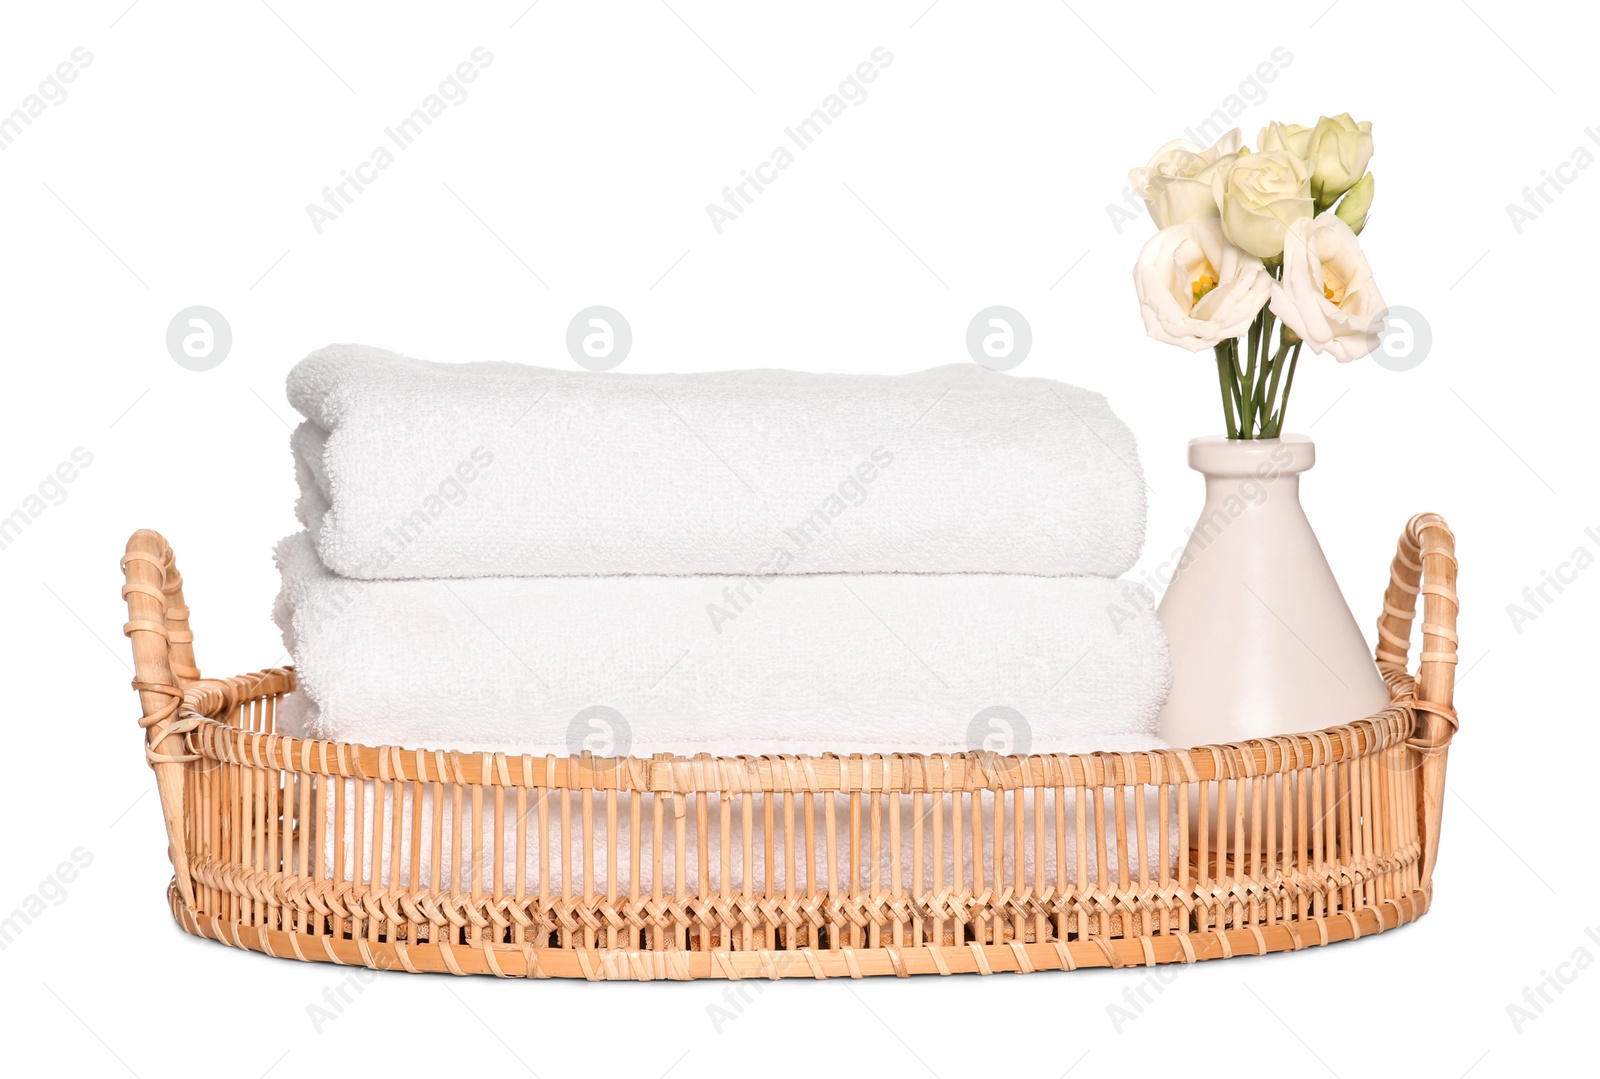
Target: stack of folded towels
pixel 503 557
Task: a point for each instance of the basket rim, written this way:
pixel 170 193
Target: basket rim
pixel 211 737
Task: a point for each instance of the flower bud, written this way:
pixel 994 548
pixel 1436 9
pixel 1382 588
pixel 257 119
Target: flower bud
pixel 1356 205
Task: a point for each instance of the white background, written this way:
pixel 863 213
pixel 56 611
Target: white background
pixel 978 171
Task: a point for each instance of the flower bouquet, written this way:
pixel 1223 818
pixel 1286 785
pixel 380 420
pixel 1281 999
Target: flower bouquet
pixel 1257 257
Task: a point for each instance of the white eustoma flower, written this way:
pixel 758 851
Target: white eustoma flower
pixel 1195 288
pixel 1176 184
pixel 1260 196
pixel 1327 295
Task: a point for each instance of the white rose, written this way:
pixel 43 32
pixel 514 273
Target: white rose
pixel 1339 150
pixel 1176 184
pixel 1195 288
pixel 1260 196
pixel 1327 295
pixel 1296 138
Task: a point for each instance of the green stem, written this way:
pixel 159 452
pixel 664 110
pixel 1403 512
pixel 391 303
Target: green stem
pixel 1288 384
pixel 1256 343
pixel 1258 402
pixel 1237 381
pixel 1264 390
pixel 1227 391
pixel 1267 366
pixel 1247 414
pixel 1233 382
pixel 1272 389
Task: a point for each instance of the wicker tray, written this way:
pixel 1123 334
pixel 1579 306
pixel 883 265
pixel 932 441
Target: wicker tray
pixel 1318 837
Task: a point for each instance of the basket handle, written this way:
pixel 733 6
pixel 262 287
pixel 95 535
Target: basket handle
pixel 163 661
pixel 1425 564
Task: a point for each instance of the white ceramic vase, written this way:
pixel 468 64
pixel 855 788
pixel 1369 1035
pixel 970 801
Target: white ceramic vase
pixel 1262 641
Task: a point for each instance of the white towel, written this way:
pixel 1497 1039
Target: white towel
pixel 724 665
pixel 415 469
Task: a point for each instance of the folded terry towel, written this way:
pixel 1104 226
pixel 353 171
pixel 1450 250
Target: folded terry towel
pixel 725 665
pixel 415 469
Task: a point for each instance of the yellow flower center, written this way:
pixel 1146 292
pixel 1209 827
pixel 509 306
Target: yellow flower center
pixel 1333 286
pixel 1199 287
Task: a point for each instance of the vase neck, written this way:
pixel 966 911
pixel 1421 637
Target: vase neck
pixel 1267 459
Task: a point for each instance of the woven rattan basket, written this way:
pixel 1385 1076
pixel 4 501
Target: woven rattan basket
pixel 1316 838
